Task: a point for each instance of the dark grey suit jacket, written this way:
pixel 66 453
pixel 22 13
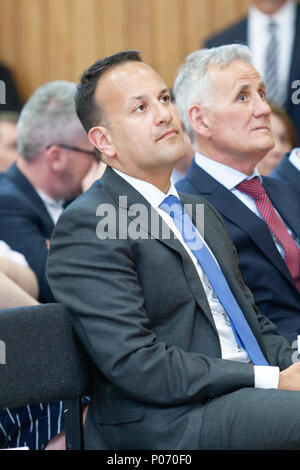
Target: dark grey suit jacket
pixel 141 312
pixel 285 171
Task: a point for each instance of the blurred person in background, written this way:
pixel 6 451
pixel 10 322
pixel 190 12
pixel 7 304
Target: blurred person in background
pixel 8 139
pixel 284 137
pixel 54 157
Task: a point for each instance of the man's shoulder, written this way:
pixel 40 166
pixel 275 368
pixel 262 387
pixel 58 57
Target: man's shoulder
pixel 278 185
pixel 234 33
pixel 9 188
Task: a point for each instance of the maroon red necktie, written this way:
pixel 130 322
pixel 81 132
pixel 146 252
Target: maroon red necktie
pixel 255 189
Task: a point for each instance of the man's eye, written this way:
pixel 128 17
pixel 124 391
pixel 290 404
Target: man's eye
pixel 242 97
pixel 140 108
pixel 262 94
pixel 165 99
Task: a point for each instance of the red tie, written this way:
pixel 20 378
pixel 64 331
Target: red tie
pixel 255 189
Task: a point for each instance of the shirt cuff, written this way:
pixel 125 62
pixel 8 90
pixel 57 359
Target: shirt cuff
pixel 266 376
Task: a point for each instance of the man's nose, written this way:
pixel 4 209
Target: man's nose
pixel 163 114
pixel 261 107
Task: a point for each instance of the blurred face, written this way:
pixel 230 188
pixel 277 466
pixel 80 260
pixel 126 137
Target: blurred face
pixel 144 136
pixel 77 166
pixel 8 144
pixel 282 146
pixel 237 123
pixel 269 7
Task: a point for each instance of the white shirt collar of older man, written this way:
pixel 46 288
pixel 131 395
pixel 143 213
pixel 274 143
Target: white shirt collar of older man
pixel 294 158
pixel 54 207
pixel 224 174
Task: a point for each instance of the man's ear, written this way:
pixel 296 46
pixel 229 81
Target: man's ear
pixel 199 120
pixel 55 158
pixel 100 138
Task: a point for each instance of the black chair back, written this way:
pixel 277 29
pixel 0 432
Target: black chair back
pixel 42 360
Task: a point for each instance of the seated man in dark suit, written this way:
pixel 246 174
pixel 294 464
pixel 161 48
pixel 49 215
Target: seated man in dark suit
pixel 271 29
pixel 183 359
pixel 288 169
pixel 228 119
pixel 55 155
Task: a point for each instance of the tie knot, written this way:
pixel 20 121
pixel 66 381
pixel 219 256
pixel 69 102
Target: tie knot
pixel 172 206
pixel 252 187
pixel 272 26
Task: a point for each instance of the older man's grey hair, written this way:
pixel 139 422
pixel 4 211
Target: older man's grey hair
pixel 193 84
pixel 49 117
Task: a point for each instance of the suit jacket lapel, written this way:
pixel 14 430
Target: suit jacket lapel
pixel 235 211
pixel 289 172
pixel 117 187
pixel 17 177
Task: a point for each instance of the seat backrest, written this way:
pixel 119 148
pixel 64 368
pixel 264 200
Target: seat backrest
pixel 42 360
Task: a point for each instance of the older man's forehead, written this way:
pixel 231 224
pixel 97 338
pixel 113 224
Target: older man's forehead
pixel 237 74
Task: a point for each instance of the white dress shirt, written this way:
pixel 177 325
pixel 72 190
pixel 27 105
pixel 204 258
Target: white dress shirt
pixel 258 40
pixel 54 207
pixel 294 158
pixel 265 376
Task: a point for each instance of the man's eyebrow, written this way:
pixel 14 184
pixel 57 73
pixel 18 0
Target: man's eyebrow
pixel 140 97
pixel 246 86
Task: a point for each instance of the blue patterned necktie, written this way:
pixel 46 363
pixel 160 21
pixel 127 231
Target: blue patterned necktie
pixel 244 336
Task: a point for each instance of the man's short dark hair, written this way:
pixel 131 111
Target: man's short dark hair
pixel 87 109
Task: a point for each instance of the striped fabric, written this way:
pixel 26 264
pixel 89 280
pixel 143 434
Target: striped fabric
pixel 271 65
pixel 254 188
pixel 32 426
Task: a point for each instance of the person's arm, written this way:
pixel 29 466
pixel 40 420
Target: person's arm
pixel 20 228
pixel 11 295
pixel 23 276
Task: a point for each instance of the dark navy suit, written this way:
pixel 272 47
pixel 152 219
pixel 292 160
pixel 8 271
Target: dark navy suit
pixel 237 33
pixel 263 268
pixel 25 224
pixel 285 171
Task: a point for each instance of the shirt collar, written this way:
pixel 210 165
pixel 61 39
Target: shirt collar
pixel 49 201
pixel 224 174
pixel 150 192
